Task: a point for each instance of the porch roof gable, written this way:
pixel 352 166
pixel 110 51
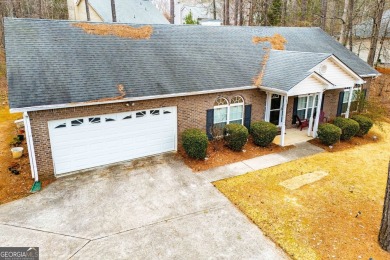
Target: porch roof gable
pixel 299 73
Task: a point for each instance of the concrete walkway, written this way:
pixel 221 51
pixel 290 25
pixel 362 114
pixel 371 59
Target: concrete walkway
pixel 154 208
pixel 301 150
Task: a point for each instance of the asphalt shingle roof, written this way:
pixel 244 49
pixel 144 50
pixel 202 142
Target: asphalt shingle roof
pixel 294 64
pixel 52 62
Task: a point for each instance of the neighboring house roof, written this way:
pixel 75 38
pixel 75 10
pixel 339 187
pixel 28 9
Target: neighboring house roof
pixel 129 11
pixel 364 29
pixel 296 65
pixel 51 62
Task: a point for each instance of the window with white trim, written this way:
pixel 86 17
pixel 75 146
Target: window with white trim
pixel 221 107
pixel 228 113
pixel 305 104
pixel 236 110
pixel 354 100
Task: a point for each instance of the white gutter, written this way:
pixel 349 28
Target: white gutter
pixel 91 103
pixel 370 75
pixel 30 146
pixel 274 91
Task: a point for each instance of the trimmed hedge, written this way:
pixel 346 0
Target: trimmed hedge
pixel 195 143
pixel 349 127
pixel 365 124
pixel 263 133
pixel 329 134
pixel 236 136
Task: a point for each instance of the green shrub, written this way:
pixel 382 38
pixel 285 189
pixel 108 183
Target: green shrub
pixel 328 134
pixel 195 143
pixel 236 136
pixel 349 127
pixel 263 133
pixel 365 124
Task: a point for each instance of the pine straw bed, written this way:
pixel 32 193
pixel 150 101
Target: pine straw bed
pixel 218 154
pixel 336 217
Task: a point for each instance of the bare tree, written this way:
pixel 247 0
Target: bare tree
pixel 172 11
pixel 384 232
pixel 227 14
pixel 87 10
pixel 39 9
pixel 241 13
pixel 343 30
pixel 324 11
pixel 350 22
pixel 235 12
pixel 375 30
pixel 382 41
pixel 113 11
pixel 214 10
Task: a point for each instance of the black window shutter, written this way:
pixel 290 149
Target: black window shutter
pixel 247 116
pixel 322 102
pixel 365 93
pixel 209 123
pixel 340 105
pixel 295 110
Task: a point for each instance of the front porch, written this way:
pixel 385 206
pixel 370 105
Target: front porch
pixel 293 136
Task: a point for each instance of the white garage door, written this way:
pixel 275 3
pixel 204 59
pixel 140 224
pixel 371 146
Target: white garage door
pixel 85 142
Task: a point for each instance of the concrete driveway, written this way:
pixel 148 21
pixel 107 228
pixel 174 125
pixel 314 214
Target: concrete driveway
pixel 145 209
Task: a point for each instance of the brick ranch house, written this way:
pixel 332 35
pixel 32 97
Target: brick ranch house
pixel 91 99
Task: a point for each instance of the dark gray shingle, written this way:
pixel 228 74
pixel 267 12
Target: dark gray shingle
pixel 285 69
pixel 52 62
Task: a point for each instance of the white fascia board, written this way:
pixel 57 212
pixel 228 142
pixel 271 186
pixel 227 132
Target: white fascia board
pixel 124 100
pixel 370 75
pixel 273 90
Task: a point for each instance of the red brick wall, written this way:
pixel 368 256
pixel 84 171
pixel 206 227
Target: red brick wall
pixel 331 101
pixel 191 112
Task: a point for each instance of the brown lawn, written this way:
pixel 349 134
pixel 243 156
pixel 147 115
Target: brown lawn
pixel 337 217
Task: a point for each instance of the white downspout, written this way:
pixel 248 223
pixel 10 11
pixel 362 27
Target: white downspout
pixel 349 102
pixel 283 130
pixel 30 146
pixel 311 116
pixel 317 120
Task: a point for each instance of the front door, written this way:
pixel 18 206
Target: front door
pixel 276 102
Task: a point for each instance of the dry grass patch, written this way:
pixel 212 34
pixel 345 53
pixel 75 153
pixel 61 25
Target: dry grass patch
pixel 119 30
pixel 219 154
pixel 337 217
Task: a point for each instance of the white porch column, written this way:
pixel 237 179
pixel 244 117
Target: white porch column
pixel 283 130
pixel 318 113
pixel 267 107
pixel 310 128
pixel 349 102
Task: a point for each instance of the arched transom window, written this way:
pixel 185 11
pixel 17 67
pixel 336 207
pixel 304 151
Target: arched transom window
pixel 226 112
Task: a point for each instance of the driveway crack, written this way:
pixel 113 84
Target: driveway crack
pixel 79 249
pixel 162 221
pixel 44 231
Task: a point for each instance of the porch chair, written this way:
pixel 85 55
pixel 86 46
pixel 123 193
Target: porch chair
pixel 302 123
